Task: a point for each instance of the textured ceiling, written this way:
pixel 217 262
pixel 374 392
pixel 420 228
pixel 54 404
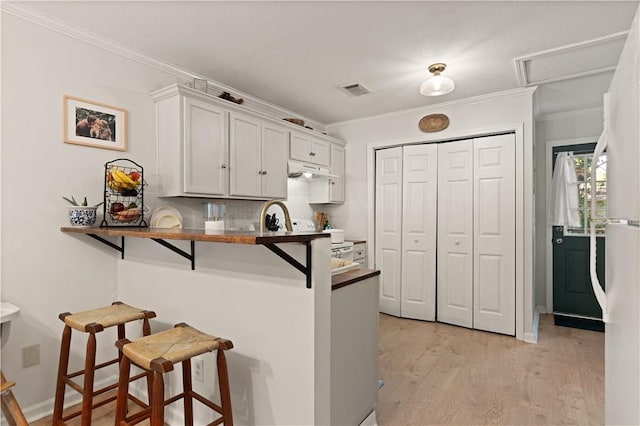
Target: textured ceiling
pixel 297 54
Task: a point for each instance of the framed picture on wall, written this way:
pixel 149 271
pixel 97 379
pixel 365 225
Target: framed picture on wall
pixel 94 124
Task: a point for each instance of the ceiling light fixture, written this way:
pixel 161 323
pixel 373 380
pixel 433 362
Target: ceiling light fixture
pixel 437 85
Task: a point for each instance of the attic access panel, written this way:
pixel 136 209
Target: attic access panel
pixel 571 61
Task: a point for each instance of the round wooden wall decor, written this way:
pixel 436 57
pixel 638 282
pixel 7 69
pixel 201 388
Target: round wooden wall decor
pixel 433 123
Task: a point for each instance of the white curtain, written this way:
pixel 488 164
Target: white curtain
pixel 563 203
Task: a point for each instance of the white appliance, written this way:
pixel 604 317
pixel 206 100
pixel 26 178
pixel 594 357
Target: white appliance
pixel 343 250
pixel 621 303
pixel 307 170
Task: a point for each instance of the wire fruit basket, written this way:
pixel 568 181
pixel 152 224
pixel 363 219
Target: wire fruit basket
pixel 123 194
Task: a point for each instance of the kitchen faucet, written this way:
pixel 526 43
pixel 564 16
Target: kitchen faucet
pixel 263 212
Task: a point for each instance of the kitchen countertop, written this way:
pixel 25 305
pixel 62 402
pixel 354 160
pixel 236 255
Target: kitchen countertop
pixel 231 237
pixel 351 277
pixel 357 241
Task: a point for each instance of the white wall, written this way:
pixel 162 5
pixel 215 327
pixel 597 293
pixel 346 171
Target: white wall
pixel 579 125
pixel 476 116
pixel 44 271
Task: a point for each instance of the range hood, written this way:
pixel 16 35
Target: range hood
pixel 299 169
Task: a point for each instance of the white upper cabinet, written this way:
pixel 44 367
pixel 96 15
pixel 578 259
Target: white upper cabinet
pixel 208 147
pixel 258 157
pixel 275 153
pixel 309 149
pixel 192 147
pixel 332 190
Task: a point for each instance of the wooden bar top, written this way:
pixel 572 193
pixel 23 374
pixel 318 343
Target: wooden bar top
pixel 231 237
pixel 351 277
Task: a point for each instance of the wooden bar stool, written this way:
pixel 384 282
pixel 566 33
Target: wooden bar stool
pixel 92 322
pixel 157 354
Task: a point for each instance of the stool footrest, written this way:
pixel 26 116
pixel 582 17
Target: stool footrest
pixel 97 367
pixel 206 402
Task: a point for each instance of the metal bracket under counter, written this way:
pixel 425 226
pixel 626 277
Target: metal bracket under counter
pixel 267 241
pixel 306 270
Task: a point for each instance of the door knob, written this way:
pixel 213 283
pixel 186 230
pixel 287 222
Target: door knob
pixel 457 242
pixel 559 240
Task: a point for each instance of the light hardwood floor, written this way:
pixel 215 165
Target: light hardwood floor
pixel 441 374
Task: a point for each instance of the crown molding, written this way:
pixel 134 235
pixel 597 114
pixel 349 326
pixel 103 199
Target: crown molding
pixel 512 93
pixel 20 10
pixel 571 114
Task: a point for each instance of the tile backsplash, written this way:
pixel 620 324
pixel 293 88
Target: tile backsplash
pixel 240 215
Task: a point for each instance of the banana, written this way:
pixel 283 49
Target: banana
pixel 120 180
pixel 123 177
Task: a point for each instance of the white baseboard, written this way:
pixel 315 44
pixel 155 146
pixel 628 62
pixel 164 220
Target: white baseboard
pixel 370 420
pixel 542 309
pixel 71 397
pixel 533 336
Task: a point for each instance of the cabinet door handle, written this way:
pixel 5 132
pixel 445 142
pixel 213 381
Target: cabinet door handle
pixel 224 166
pixel 313 154
pixel 264 172
pixel 333 182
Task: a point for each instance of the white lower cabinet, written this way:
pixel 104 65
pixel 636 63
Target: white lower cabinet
pixel 360 254
pixel 462 195
pixel 257 157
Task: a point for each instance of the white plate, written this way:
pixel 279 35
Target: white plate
pixel 166 217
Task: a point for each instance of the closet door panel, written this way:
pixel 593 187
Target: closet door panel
pixel 388 232
pixel 418 289
pixel 494 234
pixel 455 233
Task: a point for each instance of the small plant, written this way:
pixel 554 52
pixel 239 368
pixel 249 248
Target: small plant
pixel 73 202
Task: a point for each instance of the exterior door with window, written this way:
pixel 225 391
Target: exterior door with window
pixel 572 292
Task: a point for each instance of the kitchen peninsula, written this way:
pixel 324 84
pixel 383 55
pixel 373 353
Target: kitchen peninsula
pixel 241 288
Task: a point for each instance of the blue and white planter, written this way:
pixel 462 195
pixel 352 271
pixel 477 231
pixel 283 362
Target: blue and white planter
pixel 82 216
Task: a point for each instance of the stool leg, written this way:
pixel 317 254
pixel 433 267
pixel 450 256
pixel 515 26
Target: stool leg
pixel 146 330
pixel 188 392
pixel 157 400
pixel 223 383
pixel 62 372
pixel 121 335
pixel 89 370
pixel 123 390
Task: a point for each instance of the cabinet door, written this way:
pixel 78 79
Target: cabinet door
pixel 204 168
pixel 245 156
pixel 300 146
pixel 275 153
pixel 494 234
pixel 336 185
pixel 389 227
pixel 455 233
pixel 419 201
pixel 319 152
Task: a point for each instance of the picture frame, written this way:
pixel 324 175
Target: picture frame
pixel 93 124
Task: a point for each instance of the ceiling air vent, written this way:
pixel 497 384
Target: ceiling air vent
pixel 355 89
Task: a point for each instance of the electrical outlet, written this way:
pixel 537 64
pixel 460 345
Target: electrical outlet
pixel 30 356
pixel 198 370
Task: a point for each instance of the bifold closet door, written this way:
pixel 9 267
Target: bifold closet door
pixel 388 224
pixel 419 201
pixel 494 234
pixel 455 233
